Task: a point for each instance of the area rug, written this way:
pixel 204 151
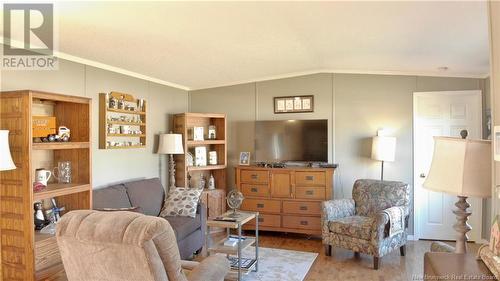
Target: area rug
pixel 277 264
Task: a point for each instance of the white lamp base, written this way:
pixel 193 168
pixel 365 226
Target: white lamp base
pixel 461 226
pixel 171 172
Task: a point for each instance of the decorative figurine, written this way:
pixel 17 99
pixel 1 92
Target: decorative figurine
pixel 112 103
pixel 56 211
pixel 140 105
pixel 211 132
pixel 63 135
pixel 212 158
pixel 121 103
pixel 211 182
pixel 40 221
pixel 202 182
pixel 234 200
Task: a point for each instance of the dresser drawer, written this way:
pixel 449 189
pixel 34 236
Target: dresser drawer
pixel 310 193
pixel 268 220
pixel 261 205
pixel 301 222
pixel 297 207
pixel 255 190
pixel 254 176
pixel 310 179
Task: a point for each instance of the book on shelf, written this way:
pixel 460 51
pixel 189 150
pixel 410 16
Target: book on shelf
pixel 246 263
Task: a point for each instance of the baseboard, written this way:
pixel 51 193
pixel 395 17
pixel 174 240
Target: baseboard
pixel 410 238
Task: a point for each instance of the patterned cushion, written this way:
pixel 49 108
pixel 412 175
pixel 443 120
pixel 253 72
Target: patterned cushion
pixel 373 196
pixel 354 226
pixel 181 202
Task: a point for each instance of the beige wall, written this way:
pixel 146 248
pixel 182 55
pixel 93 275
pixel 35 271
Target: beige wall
pixel 110 166
pixel 355 105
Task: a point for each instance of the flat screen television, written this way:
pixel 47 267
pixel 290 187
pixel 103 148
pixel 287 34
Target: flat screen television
pixel 291 140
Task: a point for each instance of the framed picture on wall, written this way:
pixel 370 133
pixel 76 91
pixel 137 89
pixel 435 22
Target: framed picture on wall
pixel 294 104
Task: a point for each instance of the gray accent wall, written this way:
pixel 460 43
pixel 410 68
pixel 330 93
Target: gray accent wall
pixel 110 166
pixel 355 105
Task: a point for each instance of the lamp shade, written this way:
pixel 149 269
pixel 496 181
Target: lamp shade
pixel 6 162
pixel 170 144
pixel 461 167
pixel 383 148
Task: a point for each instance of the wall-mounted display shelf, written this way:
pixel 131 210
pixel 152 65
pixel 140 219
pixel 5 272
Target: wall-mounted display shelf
pixel 26 253
pixel 184 124
pixel 122 121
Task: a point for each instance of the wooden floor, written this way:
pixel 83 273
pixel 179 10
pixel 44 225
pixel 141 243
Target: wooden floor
pixel 342 265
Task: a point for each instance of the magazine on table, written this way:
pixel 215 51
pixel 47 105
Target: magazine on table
pixel 246 263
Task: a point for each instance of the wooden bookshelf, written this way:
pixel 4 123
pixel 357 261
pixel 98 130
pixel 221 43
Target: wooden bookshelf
pixel 139 140
pixel 182 124
pixel 27 254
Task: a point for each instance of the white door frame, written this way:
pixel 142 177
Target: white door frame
pixel 416 199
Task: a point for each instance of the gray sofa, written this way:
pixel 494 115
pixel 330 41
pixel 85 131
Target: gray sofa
pixel 149 194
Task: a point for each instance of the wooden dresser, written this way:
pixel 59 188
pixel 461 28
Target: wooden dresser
pixel 288 199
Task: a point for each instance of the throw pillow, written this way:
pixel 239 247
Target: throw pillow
pixel 181 202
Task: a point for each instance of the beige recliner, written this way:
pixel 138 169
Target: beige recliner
pixel 125 246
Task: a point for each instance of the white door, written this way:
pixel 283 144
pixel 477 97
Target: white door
pixel 442 114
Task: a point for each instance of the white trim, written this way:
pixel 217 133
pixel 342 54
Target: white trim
pixel 123 71
pixel 348 71
pixel 416 201
pixel 411 237
pixel 105 66
pixel 108 67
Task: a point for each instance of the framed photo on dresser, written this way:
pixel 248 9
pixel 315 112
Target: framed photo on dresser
pixel 244 158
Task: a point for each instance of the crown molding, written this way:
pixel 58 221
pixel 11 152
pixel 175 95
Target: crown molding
pixel 111 68
pixel 348 71
pixel 123 71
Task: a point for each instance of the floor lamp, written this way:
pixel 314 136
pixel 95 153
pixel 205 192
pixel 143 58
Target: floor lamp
pixel 461 167
pixel 6 162
pixel 383 149
pixel 171 144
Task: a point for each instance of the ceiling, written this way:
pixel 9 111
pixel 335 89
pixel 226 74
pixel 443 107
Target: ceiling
pixel 197 45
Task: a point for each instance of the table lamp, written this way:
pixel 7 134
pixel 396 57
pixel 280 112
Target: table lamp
pixel 383 149
pixel 6 162
pixel 171 144
pixel 461 167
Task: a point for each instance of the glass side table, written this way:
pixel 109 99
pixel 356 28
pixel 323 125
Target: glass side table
pixel 239 264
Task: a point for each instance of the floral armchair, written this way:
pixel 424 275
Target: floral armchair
pixel 368 223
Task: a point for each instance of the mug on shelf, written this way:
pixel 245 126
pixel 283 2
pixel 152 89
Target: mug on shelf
pixel 42 176
pixel 63 172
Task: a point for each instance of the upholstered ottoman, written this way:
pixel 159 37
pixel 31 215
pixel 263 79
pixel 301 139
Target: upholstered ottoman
pixel 457 267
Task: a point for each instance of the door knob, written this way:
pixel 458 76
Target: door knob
pixel 422 175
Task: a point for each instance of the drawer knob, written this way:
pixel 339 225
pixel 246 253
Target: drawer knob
pixel 253 189
pixel 260 205
pixel 261 219
pixel 310 178
pixel 254 176
pixel 303 208
pixel 304 222
pixel 309 192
